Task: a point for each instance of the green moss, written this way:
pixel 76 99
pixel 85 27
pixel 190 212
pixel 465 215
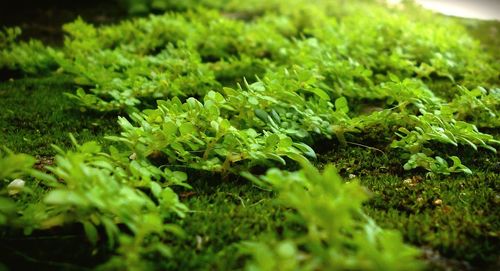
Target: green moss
pixel 35 113
pixel 221 217
pixel 463 227
pixel 455 216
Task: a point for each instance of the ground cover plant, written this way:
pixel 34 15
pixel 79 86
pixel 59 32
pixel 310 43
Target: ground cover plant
pixel 214 137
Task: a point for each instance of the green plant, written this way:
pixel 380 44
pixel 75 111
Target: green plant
pixel 227 87
pixel 12 166
pixel 200 136
pixel 440 127
pixel 338 235
pixel 29 57
pixel 130 200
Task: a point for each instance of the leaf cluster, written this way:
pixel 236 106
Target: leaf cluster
pixel 338 236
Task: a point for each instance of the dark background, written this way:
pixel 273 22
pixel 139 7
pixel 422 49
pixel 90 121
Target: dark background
pixel 43 19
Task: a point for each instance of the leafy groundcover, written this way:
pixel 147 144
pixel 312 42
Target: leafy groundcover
pixel 256 135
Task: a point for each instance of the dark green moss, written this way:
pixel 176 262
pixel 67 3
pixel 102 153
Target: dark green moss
pixel 463 225
pixel 35 113
pixel 455 216
pixel 220 218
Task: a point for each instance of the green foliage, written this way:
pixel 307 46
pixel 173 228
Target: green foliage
pixel 30 57
pixel 308 69
pixel 242 87
pixel 339 236
pixel 174 72
pixel 201 136
pixel 436 165
pixel 479 106
pixel 130 200
pixel 12 166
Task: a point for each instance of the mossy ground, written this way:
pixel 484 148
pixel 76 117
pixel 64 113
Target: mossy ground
pixel 36 114
pixel 455 219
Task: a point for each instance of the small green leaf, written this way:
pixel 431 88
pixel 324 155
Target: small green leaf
pixel 272 140
pixel 187 128
pixel 155 189
pixel 90 232
pixel 394 78
pixel 341 105
pixel 305 149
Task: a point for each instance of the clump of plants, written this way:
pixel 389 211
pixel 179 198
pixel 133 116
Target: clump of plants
pixel 227 89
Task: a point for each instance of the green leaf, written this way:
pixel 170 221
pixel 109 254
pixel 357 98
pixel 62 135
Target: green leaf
pixel 320 93
pixel 155 189
pixel 262 115
pixel 305 149
pixel 272 140
pixel 63 197
pixel 187 128
pixel 394 78
pixel 341 105
pixel 90 232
